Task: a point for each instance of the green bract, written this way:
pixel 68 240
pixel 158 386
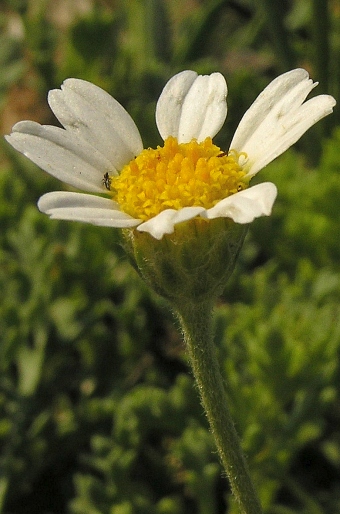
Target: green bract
pixel 193 263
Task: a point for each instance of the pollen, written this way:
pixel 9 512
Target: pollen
pixel 177 175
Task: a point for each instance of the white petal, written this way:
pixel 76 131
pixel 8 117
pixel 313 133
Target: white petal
pixel 86 208
pixel 192 106
pixel 245 206
pixel 91 113
pixel 286 132
pixel 165 221
pixel 308 114
pixel 278 118
pixel 61 154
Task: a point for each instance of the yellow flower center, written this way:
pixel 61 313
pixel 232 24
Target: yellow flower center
pixel 176 176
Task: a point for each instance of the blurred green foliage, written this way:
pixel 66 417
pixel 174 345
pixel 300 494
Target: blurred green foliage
pixel 98 410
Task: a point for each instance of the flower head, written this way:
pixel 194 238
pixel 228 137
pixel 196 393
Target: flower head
pixel 152 190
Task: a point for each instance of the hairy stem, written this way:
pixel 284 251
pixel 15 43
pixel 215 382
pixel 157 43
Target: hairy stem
pixel 196 323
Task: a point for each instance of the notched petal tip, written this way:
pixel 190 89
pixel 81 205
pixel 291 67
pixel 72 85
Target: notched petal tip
pixel 22 127
pixel 329 102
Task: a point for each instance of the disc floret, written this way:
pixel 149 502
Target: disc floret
pixel 177 175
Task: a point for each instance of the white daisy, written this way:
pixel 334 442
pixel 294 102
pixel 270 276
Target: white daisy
pixel 101 151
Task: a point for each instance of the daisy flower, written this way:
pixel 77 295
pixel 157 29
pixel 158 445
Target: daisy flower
pixel 100 151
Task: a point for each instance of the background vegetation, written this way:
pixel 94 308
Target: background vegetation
pixel 99 413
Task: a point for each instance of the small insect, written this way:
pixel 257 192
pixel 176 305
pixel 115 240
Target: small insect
pixel 222 154
pixel 107 181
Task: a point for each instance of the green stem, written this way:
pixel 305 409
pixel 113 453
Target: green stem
pixel 196 323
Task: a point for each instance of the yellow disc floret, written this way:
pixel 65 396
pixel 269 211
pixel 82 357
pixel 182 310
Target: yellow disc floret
pixel 176 176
